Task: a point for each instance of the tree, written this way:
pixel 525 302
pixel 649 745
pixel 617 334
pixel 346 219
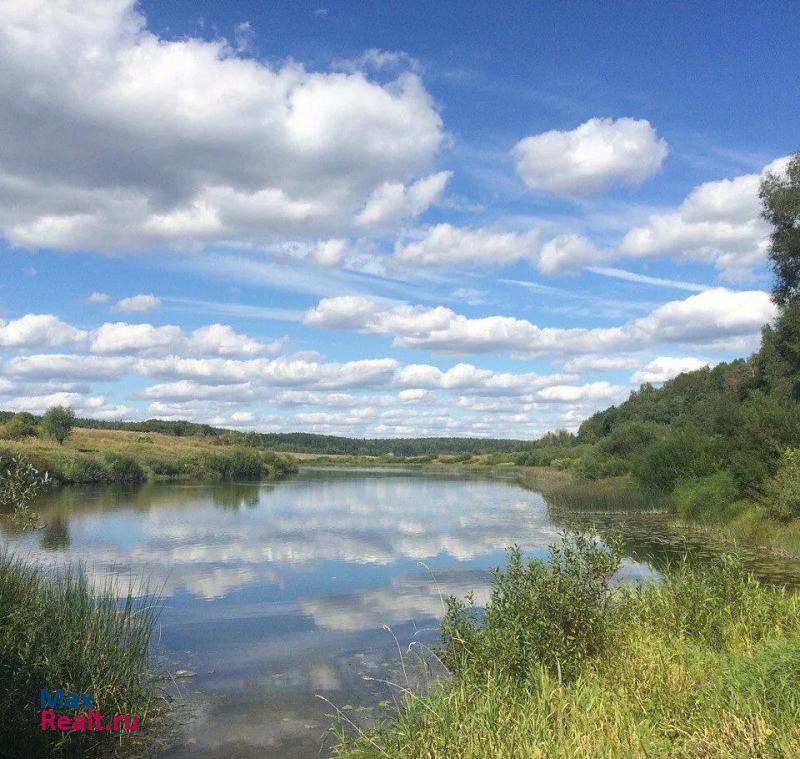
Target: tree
pixel 20 426
pixel 780 198
pixel 57 422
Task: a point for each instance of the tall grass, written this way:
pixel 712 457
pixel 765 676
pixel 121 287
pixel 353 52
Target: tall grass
pixel 703 665
pixel 57 632
pixel 602 495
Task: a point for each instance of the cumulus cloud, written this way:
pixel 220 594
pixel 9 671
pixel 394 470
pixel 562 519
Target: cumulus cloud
pixel 719 222
pixel 118 139
pixel 665 368
pixel 211 340
pixel 137 304
pixel 34 331
pixel 447 245
pixel 568 253
pixel 714 315
pixel 590 158
pixel 394 201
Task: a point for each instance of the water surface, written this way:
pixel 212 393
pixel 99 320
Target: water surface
pixel 275 594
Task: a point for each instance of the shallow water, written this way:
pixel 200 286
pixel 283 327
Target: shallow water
pixel 276 594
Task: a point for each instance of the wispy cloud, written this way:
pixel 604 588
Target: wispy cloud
pixel 644 279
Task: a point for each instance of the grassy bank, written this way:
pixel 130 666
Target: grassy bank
pixel 115 456
pixel 706 664
pixel 55 632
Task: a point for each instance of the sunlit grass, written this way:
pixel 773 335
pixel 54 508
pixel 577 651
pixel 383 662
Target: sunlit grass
pixel 58 632
pixel 706 664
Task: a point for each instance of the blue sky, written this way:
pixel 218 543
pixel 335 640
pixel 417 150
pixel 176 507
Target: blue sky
pixel 384 219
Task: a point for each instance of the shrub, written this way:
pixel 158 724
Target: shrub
pixel 20 483
pixel 705 498
pixel 553 613
pixel 783 490
pixel 124 469
pixel 57 422
pixel 595 464
pixel 82 471
pixel 20 426
pixel 682 454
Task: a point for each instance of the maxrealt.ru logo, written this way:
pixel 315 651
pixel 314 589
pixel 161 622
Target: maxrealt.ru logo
pixel 88 719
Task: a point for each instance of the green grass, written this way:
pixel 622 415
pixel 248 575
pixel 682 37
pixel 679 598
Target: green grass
pixel 57 632
pixel 703 665
pixel 115 456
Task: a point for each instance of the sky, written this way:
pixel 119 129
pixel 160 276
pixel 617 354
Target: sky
pixel 383 219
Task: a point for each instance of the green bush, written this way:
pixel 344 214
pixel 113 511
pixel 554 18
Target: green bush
pixel 81 471
pixel 554 613
pixel 20 426
pixel 682 454
pixel 629 438
pixel 124 469
pixel 707 498
pixel 783 490
pixel 595 464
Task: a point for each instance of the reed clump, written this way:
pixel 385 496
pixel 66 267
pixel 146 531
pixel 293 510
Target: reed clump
pixel 57 631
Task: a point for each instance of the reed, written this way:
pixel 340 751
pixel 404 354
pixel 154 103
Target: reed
pixel 57 631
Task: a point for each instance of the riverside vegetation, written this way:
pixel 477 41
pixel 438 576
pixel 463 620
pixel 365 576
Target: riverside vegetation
pixel 58 632
pixel 561 663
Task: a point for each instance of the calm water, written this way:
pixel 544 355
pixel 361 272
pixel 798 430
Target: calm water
pixel 277 593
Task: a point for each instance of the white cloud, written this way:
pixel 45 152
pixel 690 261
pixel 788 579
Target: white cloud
pixel 120 337
pixel 665 368
pixel 446 245
pixel 98 298
pixel 117 139
pixel 137 304
pixel 147 339
pixel 38 331
pixel 568 253
pixel 713 315
pixel 590 363
pixel 592 391
pixel 394 201
pixel 719 222
pixel 591 158
pixel 68 367
pixel 222 340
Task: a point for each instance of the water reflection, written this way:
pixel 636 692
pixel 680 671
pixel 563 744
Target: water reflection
pixel 277 592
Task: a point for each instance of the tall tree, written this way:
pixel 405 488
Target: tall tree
pixel 780 197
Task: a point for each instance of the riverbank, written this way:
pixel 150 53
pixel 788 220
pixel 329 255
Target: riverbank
pixel 56 632
pixel 116 456
pixel 705 665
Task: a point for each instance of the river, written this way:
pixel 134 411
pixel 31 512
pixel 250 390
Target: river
pixel 277 594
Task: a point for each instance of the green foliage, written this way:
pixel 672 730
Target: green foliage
pixel 553 613
pixel 83 470
pixel 596 464
pixel 783 491
pixel 20 483
pixel 679 455
pixel 705 499
pixel 19 426
pixel 124 469
pixel 56 632
pixel 780 197
pixel 57 422
pixel 703 665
